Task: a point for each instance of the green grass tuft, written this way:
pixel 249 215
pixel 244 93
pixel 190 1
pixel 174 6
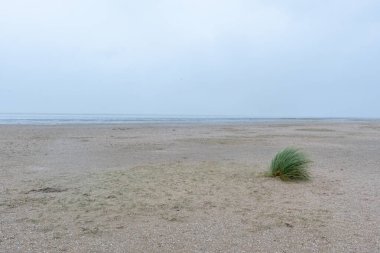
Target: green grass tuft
pixel 290 164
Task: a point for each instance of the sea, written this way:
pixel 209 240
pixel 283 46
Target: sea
pixel 63 119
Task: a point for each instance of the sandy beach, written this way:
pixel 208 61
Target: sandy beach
pixel 188 188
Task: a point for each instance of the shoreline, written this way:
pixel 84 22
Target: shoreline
pixel 94 119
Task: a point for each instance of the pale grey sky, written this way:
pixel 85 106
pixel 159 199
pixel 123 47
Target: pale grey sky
pixel 284 58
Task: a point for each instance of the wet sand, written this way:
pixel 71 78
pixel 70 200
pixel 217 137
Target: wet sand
pixel 188 188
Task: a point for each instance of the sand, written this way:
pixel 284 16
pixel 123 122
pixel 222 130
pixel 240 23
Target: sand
pixel 188 188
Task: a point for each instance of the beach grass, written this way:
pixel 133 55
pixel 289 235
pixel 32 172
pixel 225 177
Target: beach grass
pixel 290 164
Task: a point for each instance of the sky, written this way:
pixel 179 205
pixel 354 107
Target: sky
pixel 268 58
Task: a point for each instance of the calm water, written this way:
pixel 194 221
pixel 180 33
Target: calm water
pixel 56 119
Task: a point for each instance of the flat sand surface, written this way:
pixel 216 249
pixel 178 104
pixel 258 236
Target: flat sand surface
pixel 188 188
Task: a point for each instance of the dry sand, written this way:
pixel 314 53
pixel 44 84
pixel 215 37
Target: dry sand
pixel 188 188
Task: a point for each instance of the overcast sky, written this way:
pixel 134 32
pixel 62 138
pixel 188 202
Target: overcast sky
pixel 284 58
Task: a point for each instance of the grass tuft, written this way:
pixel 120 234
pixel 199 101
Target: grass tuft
pixel 290 164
